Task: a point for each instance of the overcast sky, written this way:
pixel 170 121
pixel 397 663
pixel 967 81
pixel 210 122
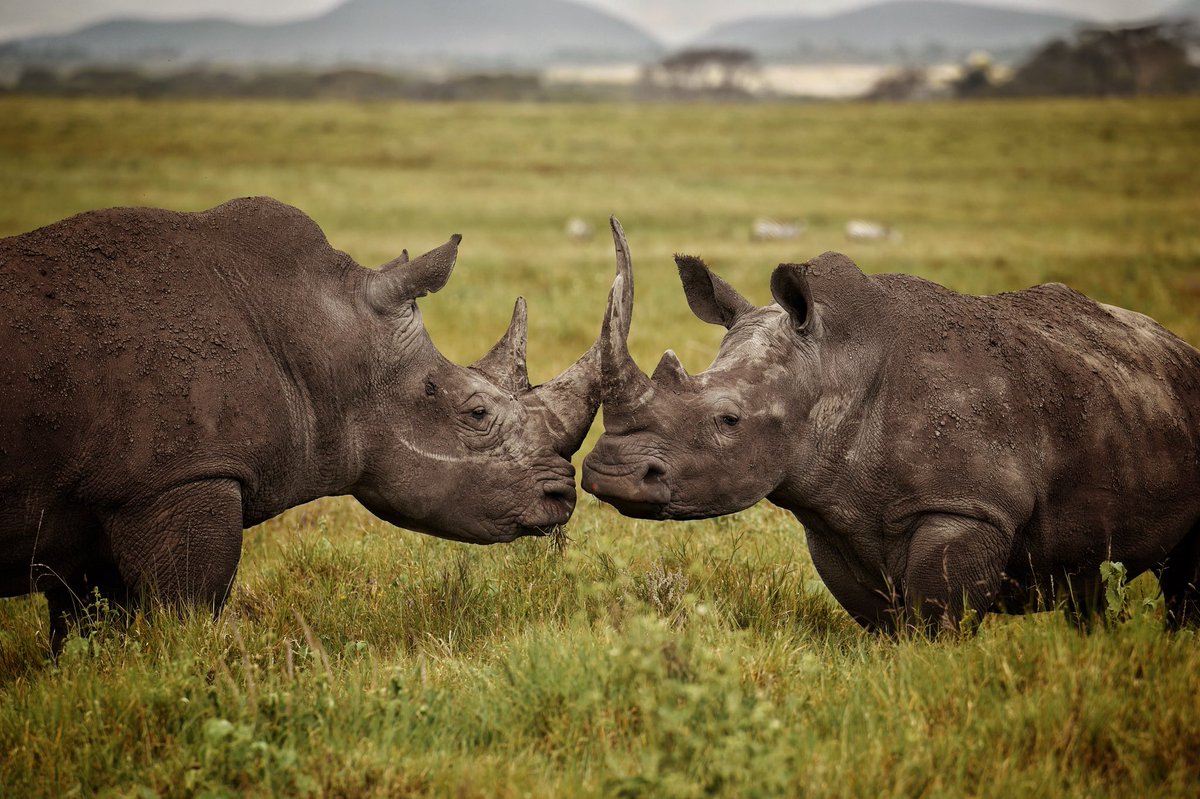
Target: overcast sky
pixel 672 20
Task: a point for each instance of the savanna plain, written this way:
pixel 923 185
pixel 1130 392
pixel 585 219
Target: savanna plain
pixel 624 658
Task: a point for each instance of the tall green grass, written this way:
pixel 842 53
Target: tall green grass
pixel 640 659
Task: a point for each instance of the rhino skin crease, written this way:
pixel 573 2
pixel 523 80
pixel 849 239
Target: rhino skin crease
pixel 171 378
pixel 943 451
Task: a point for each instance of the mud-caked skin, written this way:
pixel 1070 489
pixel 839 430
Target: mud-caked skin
pixel 942 451
pixel 171 378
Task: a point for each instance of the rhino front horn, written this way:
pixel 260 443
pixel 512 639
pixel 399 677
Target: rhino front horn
pixel 623 382
pixel 504 363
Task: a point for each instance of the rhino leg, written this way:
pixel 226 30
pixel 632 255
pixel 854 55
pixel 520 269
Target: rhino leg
pixel 64 614
pixel 870 607
pixel 183 546
pixel 1179 579
pixel 954 563
pixel 74 603
pixel 1082 597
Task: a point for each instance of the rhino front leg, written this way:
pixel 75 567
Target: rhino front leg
pixel 73 603
pixel 183 546
pixel 954 563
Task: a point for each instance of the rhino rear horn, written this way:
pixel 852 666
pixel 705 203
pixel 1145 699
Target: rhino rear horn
pixel 400 280
pixel 710 297
pixel 505 364
pixel 670 372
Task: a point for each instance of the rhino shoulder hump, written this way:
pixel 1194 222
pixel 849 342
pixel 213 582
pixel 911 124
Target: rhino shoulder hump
pixel 266 214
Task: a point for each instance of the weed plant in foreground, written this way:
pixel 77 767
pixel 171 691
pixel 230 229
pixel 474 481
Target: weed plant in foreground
pixel 640 659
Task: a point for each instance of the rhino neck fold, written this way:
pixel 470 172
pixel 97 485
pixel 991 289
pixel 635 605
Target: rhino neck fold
pixel 322 359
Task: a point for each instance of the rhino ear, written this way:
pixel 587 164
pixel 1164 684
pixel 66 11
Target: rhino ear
pixel 398 261
pixel 790 289
pixel 709 297
pixel 401 280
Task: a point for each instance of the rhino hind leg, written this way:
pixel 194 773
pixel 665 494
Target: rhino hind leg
pixel 954 572
pixel 182 547
pixel 1081 596
pixel 1179 579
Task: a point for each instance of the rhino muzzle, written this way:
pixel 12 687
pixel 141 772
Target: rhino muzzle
pixel 635 486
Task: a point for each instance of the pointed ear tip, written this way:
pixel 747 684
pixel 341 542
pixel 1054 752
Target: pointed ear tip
pixel 456 238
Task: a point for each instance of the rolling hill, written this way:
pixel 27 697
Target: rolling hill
pixel 433 33
pixel 893 30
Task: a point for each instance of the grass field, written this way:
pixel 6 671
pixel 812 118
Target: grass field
pixel 640 659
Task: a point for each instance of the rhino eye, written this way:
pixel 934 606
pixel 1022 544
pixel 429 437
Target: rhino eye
pixel 479 412
pixel 729 420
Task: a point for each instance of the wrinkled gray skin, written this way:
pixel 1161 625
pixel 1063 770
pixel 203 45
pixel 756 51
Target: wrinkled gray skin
pixel 942 451
pixel 171 378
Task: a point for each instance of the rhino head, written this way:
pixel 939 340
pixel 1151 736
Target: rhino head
pixel 680 446
pixel 476 453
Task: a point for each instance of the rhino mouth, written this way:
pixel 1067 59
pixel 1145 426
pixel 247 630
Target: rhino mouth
pixel 638 490
pixel 552 509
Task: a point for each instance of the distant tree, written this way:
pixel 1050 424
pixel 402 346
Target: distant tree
pixel 698 69
pixel 1148 59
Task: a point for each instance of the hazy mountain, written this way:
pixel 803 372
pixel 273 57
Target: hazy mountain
pixel 914 28
pixel 1187 9
pixel 518 33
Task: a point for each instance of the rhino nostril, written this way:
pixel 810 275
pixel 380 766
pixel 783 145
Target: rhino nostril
pixel 559 493
pixel 654 473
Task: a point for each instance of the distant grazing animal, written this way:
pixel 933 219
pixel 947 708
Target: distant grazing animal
pixel 171 378
pixel 763 229
pixel 862 230
pixel 943 451
pixel 578 229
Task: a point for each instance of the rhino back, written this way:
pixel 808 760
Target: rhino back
pixel 1065 419
pixel 146 347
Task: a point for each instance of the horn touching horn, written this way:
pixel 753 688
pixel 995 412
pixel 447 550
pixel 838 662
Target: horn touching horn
pixel 574 396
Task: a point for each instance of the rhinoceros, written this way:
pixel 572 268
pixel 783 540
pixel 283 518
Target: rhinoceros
pixel 169 379
pixel 947 455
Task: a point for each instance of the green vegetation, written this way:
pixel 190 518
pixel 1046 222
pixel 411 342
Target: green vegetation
pixel 639 659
